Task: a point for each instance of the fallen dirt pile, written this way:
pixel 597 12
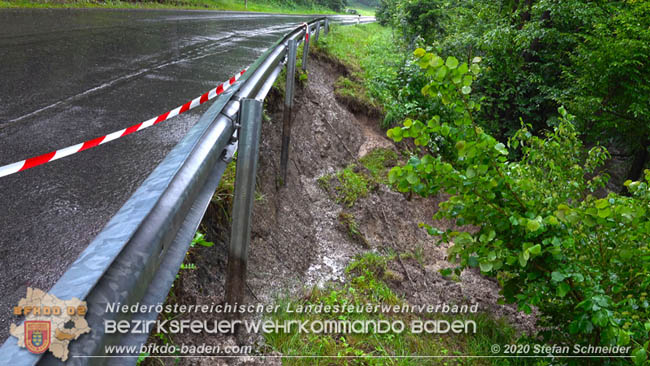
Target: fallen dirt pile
pixel 301 236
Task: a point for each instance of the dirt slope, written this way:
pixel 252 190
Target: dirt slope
pixel 297 239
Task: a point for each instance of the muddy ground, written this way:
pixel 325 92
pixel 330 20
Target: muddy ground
pixel 297 241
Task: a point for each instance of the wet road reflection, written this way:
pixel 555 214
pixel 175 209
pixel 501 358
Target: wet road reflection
pixel 67 76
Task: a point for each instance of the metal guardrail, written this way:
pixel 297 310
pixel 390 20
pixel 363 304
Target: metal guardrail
pixel 137 255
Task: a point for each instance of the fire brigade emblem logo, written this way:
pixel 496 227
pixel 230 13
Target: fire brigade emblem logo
pixel 37 335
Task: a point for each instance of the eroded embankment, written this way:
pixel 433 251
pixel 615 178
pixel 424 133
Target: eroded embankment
pixel 301 236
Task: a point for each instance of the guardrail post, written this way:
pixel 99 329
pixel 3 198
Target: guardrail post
pixel 305 49
pixel 317 31
pixel 359 20
pixel 251 127
pixel 288 105
pixel 327 26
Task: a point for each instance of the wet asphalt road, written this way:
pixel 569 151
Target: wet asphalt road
pixel 67 76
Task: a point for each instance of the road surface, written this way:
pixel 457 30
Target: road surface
pixel 67 76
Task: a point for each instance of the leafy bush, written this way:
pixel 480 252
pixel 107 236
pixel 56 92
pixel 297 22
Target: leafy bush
pixel 591 56
pixel 583 261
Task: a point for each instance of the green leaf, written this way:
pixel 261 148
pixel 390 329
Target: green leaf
pixel 419 52
pixel 200 240
pixel 463 68
pixel 466 89
pixel 460 145
pixel 602 203
pixel 442 72
pixel 535 249
pixel 446 271
pixel 513 220
pixel 523 258
pixel 501 148
pixel 476 69
pixel 557 276
pixel 472 261
pixel 444 130
pixel 639 356
pixel 563 289
pixel 436 62
pixel 623 338
pixel 452 62
pixel 476 60
pixel 533 225
pixel 604 213
pixel 434 231
pixel 486 266
pixel 412 178
pixel 600 318
pixel 467 80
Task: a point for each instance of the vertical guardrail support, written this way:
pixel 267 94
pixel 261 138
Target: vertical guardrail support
pixel 359 20
pixel 327 26
pixel 305 49
pixel 288 106
pixel 317 31
pixel 250 118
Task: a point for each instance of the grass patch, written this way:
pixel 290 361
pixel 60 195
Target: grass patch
pixel 354 96
pixel 352 186
pixel 354 182
pixel 370 54
pixel 367 284
pixel 324 182
pixel 378 162
pixel 225 192
pixel 253 5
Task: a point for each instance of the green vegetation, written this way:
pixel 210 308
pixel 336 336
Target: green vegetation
pixel 355 181
pixel 284 7
pixel 352 228
pixel 324 182
pixel 515 130
pixel 378 162
pixel 223 196
pixel 199 239
pixel 372 60
pixel 368 284
pixel 352 186
pixel 354 96
pixel 590 56
pixel 581 260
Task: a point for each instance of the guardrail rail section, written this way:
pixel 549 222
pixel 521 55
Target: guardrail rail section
pixel 137 255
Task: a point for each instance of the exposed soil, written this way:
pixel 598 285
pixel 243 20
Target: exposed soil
pixel 297 239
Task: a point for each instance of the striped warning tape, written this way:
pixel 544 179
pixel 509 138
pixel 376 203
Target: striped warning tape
pixel 306 31
pixel 61 153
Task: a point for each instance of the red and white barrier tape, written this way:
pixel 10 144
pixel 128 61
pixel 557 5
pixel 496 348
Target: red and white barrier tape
pixel 61 153
pixel 306 31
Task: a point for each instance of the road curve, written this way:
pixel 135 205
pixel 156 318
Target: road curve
pixel 67 76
